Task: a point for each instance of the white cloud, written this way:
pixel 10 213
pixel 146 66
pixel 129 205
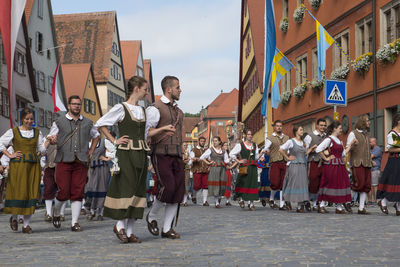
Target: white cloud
pixel 198 42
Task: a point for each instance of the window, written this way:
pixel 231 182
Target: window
pixel 50 87
pixel 40 81
pixel 364 36
pixel 19 62
pixel 115 73
pixel 389 113
pixel 48 54
pixel 5 110
pixel 339 57
pixel 86 105
pixel 89 106
pixel 30 42
pixel 188 135
pixel 114 99
pixel 314 63
pixel 285 8
pixel 301 69
pixel 115 49
pixel 299 2
pixel 109 98
pixel 220 123
pixel 21 103
pixel 49 119
pixel 40 9
pixel 39 43
pixel 390 22
pixel 286 81
pixel 2 54
pixel 41 117
pixel 93 107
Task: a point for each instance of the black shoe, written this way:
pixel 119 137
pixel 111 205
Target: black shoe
pixel 263 202
pixel 347 207
pixel 152 226
pixel 194 201
pixel 308 206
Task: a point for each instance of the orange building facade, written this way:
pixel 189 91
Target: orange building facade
pixel 359 27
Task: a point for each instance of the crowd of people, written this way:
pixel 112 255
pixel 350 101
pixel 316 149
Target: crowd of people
pixel 115 174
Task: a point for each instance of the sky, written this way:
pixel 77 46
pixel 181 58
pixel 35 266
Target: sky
pixel 197 41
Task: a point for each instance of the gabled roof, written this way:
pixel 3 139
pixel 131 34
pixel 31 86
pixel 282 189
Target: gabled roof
pixel 257 27
pixel 28 9
pixel 75 76
pixel 148 75
pixel 89 37
pixel 130 53
pixel 223 105
pixel 188 125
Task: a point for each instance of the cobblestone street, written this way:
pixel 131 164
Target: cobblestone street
pixel 211 237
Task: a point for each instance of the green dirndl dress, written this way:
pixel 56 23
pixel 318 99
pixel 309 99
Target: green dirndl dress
pixel 247 185
pixel 126 195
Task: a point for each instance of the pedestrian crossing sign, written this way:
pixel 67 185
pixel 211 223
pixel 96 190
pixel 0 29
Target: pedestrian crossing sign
pixel 335 93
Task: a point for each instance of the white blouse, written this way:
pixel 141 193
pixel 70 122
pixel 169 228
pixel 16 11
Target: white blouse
pixel 289 144
pixel 8 136
pixel 327 143
pixel 207 154
pixel 236 150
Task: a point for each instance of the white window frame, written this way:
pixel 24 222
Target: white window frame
pixel 301 67
pixel 362 36
pixel 389 8
pixel 339 58
pixel 286 81
pixel 314 62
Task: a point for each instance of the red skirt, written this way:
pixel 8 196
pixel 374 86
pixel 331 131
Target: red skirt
pixel 228 188
pixel 335 184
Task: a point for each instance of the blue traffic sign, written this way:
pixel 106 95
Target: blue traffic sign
pixel 335 93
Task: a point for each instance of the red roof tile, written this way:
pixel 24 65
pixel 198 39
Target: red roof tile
pixel 75 78
pixel 223 105
pixel 130 53
pixel 89 37
pixel 28 9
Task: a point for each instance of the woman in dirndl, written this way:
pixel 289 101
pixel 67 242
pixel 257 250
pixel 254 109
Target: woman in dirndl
pixel 246 188
pixel 295 184
pixel 264 192
pixel 389 183
pixel 24 176
pixel 335 183
pixel 229 167
pixel 126 196
pixel 216 158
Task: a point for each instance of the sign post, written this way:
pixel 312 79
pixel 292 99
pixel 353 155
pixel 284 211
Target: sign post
pixel 336 95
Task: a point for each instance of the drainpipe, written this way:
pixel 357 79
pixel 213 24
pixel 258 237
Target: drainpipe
pixel 375 82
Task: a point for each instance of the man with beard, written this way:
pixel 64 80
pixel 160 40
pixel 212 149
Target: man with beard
pixel 314 168
pixel 360 160
pixel 164 119
pixel 200 171
pixel 72 132
pixel 277 163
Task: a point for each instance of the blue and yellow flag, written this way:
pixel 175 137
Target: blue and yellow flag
pixel 280 66
pixel 324 41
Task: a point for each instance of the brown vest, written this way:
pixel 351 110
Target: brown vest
pixel 274 155
pixel 163 144
pixel 360 154
pixel 199 166
pixel 315 140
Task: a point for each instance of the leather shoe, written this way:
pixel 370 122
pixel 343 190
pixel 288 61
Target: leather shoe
pixel 121 235
pixel 308 206
pixel 322 210
pixel 217 206
pixel 397 212
pixel 134 239
pixel 241 204
pixel 13 224
pixel 170 234
pixel 347 207
pixel 284 208
pixel 206 204
pixel 57 221
pixel 185 204
pixel 271 204
pixel 27 230
pixel 384 209
pixel 251 208
pixel 288 205
pixel 363 212
pixel 62 218
pixel 263 202
pixel 21 221
pixel 90 217
pixel 47 218
pixel 76 228
pixel 340 211
pixel 228 204
pixel 152 226
pixel 194 201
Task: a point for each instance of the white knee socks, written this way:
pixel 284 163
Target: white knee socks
pixel 363 197
pixel 27 219
pixel 272 196
pixel 75 211
pixel 49 205
pixel 62 209
pixel 129 226
pixel 216 201
pixel 322 204
pixel 228 200
pixel 57 206
pixel 120 225
pixel 170 212
pixel 314 203
pixel 155 209
pixel 185 197
pixel 281 202
pixel 205 195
